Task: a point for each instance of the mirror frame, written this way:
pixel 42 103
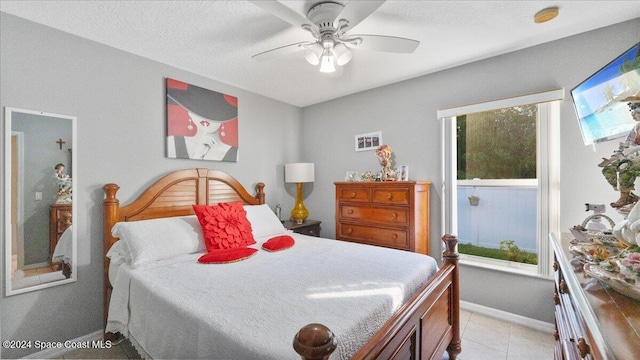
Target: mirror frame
pixel 8 119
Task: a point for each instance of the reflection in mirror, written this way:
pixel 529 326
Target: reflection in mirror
pixel 39 205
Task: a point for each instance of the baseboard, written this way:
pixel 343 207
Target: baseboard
pixel 507 316
pixel 58 353
pixel 35 266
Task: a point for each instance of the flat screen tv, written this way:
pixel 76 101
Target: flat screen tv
pixel 602 100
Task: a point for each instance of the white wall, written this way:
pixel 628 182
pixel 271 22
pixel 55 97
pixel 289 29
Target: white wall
pixel 119 100
pixel 406 114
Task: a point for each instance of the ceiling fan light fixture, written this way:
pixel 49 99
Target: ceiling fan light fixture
pixel 343 54
pixel 313 54
pixel 330 23
pixel 327 62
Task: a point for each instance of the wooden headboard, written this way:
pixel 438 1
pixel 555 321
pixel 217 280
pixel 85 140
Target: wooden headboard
pixel 172 195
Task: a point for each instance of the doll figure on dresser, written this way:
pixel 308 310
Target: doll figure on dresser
pixel 64 185
pixel 384 152
pixel 59 172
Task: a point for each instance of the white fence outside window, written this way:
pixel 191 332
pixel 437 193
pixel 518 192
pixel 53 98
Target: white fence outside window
pixel 503 213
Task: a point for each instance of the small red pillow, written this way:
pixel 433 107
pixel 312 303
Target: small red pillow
pixel 227 255
pixel 278 243
pixel 224 226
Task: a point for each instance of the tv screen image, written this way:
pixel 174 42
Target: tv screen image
pixel 602 100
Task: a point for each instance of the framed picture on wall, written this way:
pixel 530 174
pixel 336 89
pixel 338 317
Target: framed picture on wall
pixel 201 124
pixel 368 141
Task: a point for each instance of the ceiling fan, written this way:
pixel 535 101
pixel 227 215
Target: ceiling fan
pixel 329 23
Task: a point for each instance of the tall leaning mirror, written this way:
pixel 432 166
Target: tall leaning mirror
pixel 40 168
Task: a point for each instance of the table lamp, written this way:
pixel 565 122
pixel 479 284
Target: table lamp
pixel 299 173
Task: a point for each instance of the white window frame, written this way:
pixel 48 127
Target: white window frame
pixel 548 174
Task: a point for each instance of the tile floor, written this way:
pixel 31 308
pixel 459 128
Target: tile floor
pixel 483 337
pixel 32 277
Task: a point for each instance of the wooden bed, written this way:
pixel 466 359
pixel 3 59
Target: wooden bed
pixel 423 328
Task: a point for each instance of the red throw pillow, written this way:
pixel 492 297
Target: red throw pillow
pixel 227 255
pixel 224 226
pixel 278 243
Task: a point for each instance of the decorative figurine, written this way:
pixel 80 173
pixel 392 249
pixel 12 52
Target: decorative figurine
pixel 384 153
pixel 623 167
pixel 65 189
pixel 368 176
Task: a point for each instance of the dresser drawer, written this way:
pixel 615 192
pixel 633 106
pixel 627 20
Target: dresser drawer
pixel 394 238
pixel 394 216
pixel 64 220
pixel 353 194
pixel 391 196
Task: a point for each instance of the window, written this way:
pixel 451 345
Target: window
pixel 500 171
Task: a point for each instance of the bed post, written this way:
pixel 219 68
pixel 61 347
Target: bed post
pixel 260 192
pixel 111 215
pixel 315 342
pixel 451 257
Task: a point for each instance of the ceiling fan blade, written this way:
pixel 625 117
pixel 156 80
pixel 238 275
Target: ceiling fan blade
pixel 285 13
pixel 383 43
pixel 356 11
pixel 282 50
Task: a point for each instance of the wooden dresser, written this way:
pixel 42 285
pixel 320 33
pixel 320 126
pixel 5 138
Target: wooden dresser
pixel 392 214
pixel 59 220
pixel 593 321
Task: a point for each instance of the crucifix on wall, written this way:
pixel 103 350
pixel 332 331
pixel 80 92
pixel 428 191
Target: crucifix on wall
pixel 60 142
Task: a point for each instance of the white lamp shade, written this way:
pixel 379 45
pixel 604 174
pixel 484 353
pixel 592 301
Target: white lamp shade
pixel 298 172
pixel 313 53
pixel 327 62
pixel 343 54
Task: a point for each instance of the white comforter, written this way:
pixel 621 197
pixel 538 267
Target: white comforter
pixel 252 309
pixel 64 248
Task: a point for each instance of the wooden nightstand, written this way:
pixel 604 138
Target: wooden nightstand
pixel 308 227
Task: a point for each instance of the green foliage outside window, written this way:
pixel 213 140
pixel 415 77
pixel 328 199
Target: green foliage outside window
pixel 498 144
pixel 522 256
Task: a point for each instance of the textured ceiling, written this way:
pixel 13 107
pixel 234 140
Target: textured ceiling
pixel 216 39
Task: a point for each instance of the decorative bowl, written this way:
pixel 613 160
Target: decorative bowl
pixel 595 253
pixel 614 279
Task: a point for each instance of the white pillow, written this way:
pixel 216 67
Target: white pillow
pixel 118 253
pixel 156 239
pixel 263 221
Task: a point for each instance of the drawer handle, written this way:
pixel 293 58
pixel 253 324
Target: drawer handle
pixel 394 236
pixel 394 216
pixel 556 298
pixel 563 287
pixel 353 195
pixel 583 347
pixel 350 211
pixel 349 230
pixel 389 196
pixel 555 266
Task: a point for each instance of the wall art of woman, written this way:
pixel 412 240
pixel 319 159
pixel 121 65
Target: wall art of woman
pixel 201 123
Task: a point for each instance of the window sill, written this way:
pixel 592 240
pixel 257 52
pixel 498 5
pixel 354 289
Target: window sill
pixel 502 266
